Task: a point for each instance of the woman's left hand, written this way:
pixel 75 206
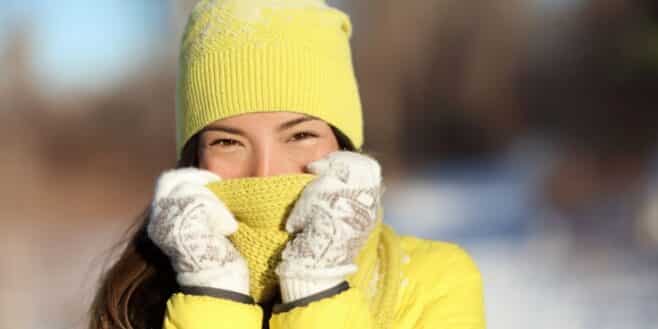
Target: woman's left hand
pixel 332 218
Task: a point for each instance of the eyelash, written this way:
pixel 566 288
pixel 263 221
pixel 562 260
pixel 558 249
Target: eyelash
pixel 224 142
pixel 302 135
pixel 296 137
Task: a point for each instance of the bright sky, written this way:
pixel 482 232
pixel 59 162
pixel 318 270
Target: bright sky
pixel 82 43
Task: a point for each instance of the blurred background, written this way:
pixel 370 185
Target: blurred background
pixel 524 130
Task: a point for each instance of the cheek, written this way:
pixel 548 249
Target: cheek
pixel 225 168
pixel 318 152
pixel 326 147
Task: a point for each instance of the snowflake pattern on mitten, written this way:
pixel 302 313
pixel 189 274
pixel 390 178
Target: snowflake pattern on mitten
pixel 332 220
pixel 191 226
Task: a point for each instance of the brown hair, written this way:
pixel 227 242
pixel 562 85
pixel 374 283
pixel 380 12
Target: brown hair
pixel 133 293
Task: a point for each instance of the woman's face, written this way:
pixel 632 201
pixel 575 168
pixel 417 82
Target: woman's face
pixel 264 144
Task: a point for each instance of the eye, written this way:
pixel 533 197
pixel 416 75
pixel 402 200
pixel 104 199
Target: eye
pixel 224 142
pixel 302 136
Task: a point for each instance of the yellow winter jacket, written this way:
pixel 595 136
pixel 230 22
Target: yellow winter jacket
pixel 402 283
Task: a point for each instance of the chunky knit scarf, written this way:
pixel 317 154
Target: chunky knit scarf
pixel 261 206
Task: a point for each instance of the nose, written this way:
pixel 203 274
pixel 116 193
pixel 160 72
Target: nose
pixel 262 164
pixel 268 161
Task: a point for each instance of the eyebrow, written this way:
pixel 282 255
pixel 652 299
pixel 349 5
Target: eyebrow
pixel 294 122
pixel 225 129
pixel 281 127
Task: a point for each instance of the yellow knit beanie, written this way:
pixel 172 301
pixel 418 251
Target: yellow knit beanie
pixel 245 56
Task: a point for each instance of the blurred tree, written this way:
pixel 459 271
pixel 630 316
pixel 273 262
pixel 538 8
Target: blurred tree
pixel 598 93
pixel 458 98
pixel 596 98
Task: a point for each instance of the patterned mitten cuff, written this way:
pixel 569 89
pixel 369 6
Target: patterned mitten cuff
pixel 297 284
pixel 231 277
pixel 191 226
pixel 328 293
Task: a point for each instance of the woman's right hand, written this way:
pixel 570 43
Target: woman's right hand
pixel 190 225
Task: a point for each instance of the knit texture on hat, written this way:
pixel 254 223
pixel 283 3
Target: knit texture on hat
pixel 246 56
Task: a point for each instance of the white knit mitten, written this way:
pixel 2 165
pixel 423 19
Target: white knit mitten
pixel 190 225
pixel 332 218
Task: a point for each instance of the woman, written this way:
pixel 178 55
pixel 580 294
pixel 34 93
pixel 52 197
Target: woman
pixel 272 218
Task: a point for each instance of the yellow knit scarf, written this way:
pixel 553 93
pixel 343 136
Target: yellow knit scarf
pixel 261 206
